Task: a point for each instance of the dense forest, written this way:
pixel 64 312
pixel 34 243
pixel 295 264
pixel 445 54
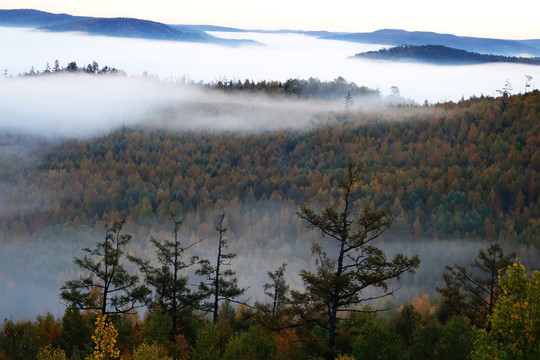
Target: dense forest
pixel 466 171
pixel 440 54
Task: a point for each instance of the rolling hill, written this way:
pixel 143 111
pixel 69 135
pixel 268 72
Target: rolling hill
pixel 35 18
pixel 115 27
pixel 442 55
pixel 480 45
pixel 130 28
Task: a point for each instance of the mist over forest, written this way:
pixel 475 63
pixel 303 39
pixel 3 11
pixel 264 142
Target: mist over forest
pixel 283 56
pixel 197 149
pixel 450 155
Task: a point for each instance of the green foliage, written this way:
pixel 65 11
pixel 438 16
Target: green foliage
pixel 21 340
pixel 515 329
pixel 108 287
pixel 472 293
pixel 255 344
pixel 151 352
pixel 460 169
pixel 48 353
pixel 425 339
pixel 378 342
pixel 278 291
pixel 457 340
pixel 77 330
pixel 168 279
pixel 339 283
pixel 207 346
pixel 157 327
pixel 406 323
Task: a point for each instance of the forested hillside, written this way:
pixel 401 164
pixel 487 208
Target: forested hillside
pixel 465 170
pixel 458 172
pixel 444 55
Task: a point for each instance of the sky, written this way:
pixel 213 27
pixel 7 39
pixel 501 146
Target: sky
pixel 480 18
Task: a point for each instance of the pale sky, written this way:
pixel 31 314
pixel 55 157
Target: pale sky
pixel 517 19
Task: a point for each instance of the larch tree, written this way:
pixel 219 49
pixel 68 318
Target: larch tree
pixel 472 292
pixel 338 286
pixel 278 291
pixel 169 279
pixel 221 284
pixel 108 287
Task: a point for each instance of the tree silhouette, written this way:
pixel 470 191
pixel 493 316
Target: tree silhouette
pixel 221 284
pixel 108 287
pixel 338 283
pixel 170 284
pixel 472 293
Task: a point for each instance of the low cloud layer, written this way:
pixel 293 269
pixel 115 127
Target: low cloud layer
pixel 284 56
pixel 81 105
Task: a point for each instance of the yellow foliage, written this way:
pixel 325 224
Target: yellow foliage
pixel 48 353
pixel 105 340
pixel 345 357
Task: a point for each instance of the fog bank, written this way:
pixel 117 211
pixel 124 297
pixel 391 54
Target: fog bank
pixel 82 105
pixel 284 56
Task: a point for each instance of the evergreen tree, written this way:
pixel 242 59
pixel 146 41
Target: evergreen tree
pixel 171 290
pixel 338 284
pixel 221 284
pixel 472 293
pixel 278 290
pixel 108 288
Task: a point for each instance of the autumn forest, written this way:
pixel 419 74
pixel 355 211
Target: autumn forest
pixel 312 243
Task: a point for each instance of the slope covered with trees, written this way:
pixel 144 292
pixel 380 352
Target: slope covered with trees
pixel 465 170
pixel 443 55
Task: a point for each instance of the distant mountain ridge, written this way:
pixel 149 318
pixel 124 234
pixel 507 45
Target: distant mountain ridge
pixel 115 27
pixel 35 18
pixel 479 45
pixel 442 55
pixel 145 29
pixel 131 28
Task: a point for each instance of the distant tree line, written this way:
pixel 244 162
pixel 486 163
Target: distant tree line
pixel 72 67
pixel 310 88
pixel 442 55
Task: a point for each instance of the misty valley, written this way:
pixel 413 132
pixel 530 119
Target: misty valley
pixel 451 180
pixel 286 201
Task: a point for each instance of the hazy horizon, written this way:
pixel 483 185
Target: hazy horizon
pixel 461 17
pixel 102 102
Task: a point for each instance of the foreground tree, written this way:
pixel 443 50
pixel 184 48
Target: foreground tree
pixel 171 290
pixel 278 290
pixel 515 321
pixel 339 282
pixel 104 337
pixel 472 293
pixel 221 284
pixel 108 288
